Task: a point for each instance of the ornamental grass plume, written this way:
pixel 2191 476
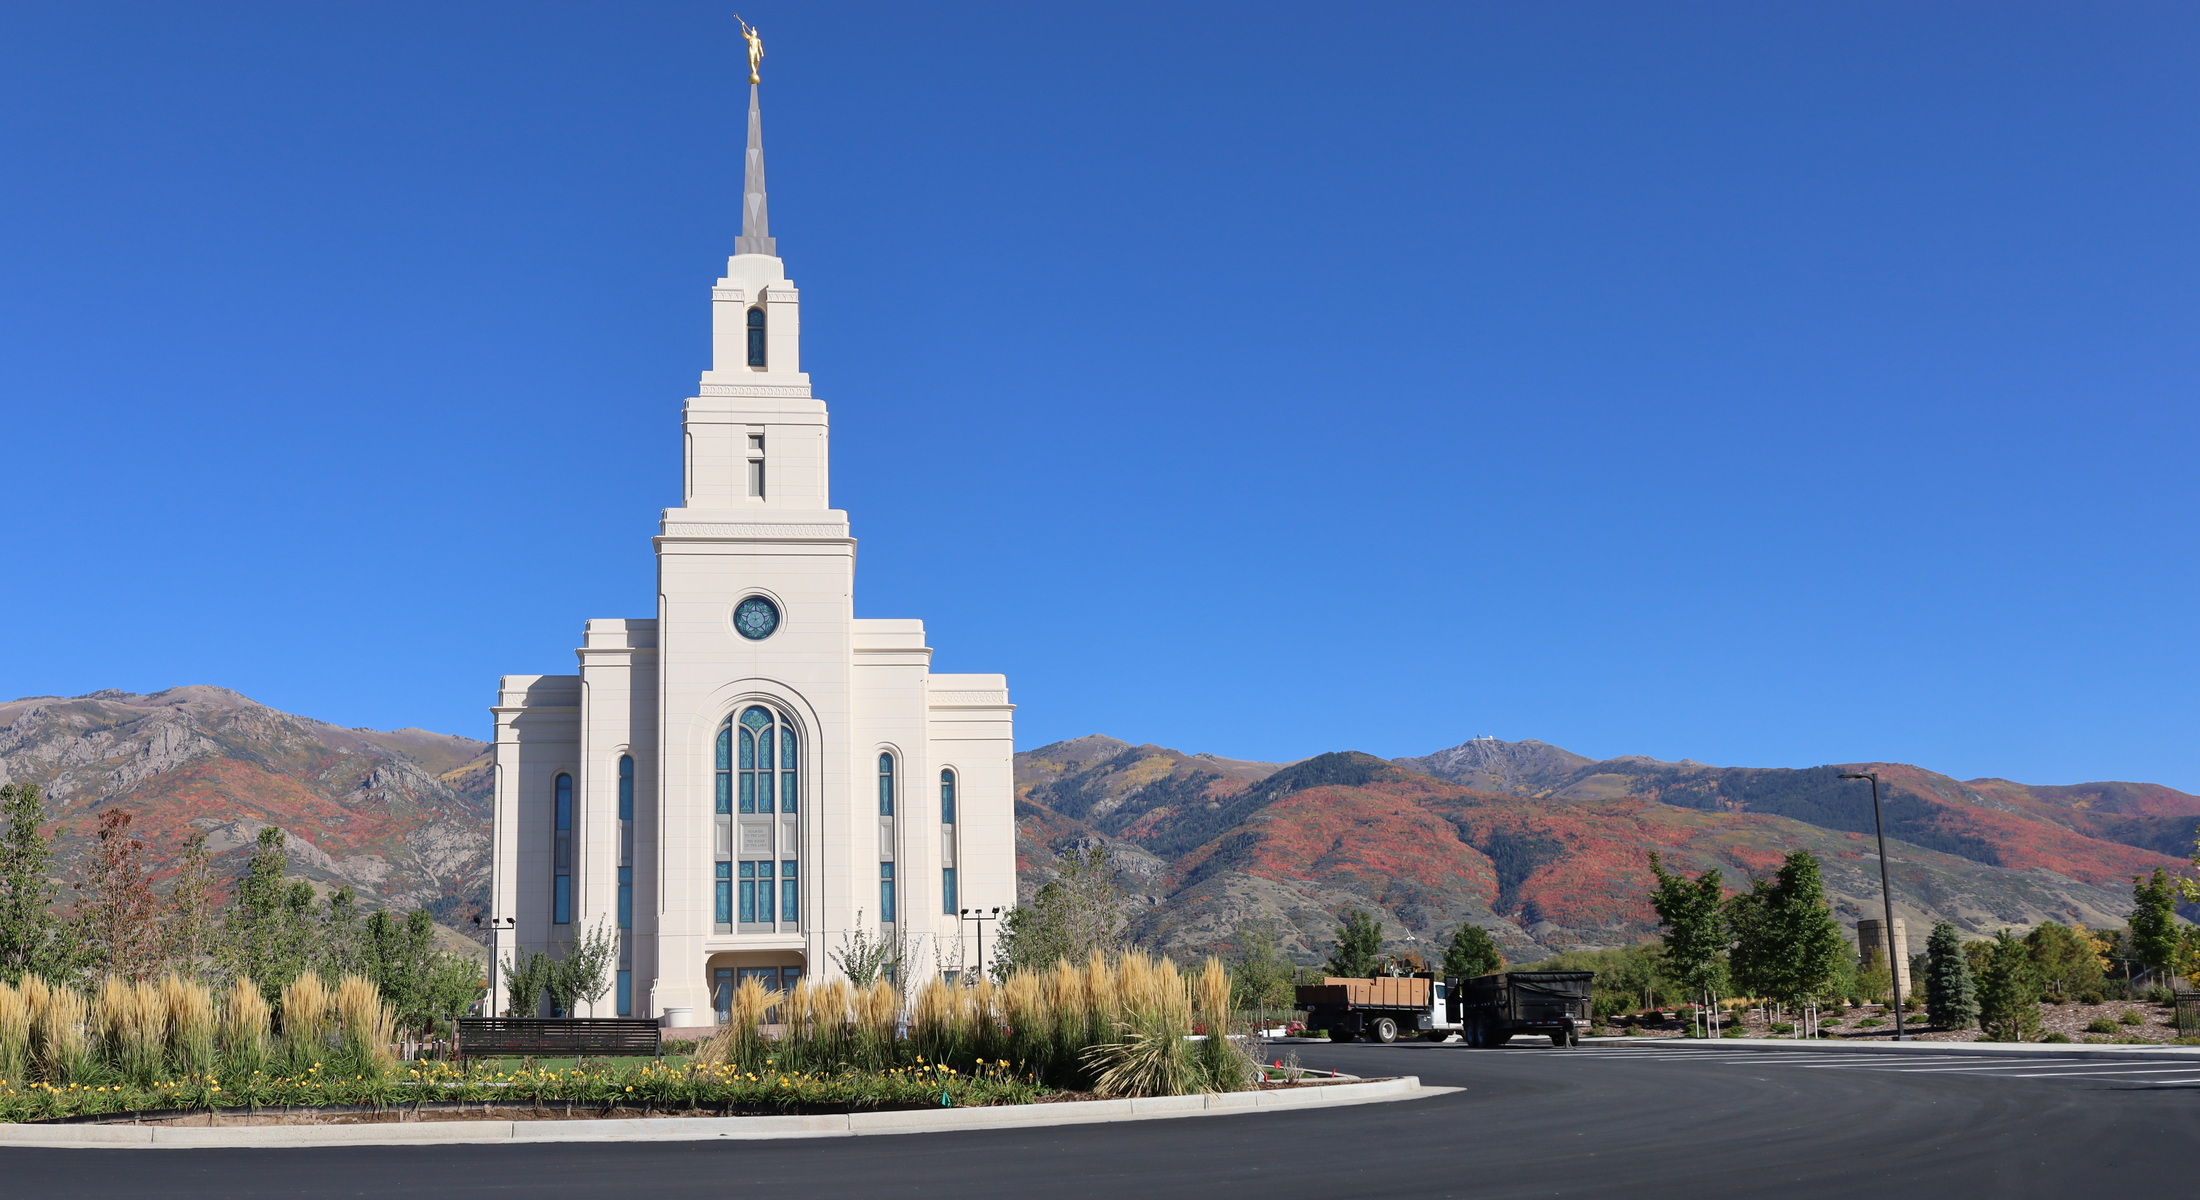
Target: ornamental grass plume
pixel 738 1042
pixel 878 1009
pixel 1150 1056
pixel 835 1032
pixel 60 1051
pixel 308 1011
pixel 985 1020
pixel 132 1027
pixel 15 1036
pixel 1024 1009
pixel 193 1029
pixel 1066 1006
pixel 936 1021
pixel 245 1029
pixel 1224 1066
pixel 368 1027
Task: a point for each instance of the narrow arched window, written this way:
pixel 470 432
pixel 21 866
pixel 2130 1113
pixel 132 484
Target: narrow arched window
pixel 886 785
pixel 947 797
pixel 756 337
pixel 561 856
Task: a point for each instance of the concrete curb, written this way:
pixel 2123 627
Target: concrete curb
pixel 703 1129
pixel 1821 1046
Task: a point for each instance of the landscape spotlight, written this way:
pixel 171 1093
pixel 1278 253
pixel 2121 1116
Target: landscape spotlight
pixel 1886 900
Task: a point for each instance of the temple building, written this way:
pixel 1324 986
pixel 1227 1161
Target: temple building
pixel 739 784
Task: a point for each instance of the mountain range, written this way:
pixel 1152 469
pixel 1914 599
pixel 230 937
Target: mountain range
pixel 1546 848
pixel 1549 849
pixel 403 817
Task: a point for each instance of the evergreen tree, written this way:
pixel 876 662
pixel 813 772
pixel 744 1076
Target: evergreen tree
pixel 1359 945
pixel 31 941
pixel 1471 952
pixel 121 927
pixel 1788 948
pixel 1951 1000
pixel 1697 930
pixel 2009 992
pixel 2154 921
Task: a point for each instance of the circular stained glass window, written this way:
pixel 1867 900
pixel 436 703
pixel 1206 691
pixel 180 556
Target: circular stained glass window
pixel 755 618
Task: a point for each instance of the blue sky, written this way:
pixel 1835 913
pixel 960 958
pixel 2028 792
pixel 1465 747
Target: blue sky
pixel 1763 384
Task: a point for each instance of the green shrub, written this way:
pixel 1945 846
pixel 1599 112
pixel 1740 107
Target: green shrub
pixel 2132 1016
pixel 2100 1025
pixel 1871 1022
pixel 1783 1027
pixel 2056 1037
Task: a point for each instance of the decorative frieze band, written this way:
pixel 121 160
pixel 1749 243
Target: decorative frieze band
pixel 969 699
pixel 734 295
pixel 755 389
pixel 780 296
pixel 760 533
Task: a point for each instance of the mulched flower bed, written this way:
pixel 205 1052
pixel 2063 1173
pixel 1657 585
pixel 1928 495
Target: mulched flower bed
pixel 2070 1020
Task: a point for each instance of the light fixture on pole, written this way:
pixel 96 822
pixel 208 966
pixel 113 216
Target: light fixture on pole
pixel 1886 900
pixel 981 916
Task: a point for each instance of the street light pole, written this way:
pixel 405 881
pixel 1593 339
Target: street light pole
pixel 1886 900
pixel 980 916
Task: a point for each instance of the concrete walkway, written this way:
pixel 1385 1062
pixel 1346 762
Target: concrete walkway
pixel 684 1129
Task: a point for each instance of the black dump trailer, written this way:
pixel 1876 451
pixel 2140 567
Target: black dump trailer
pixel 1490 1009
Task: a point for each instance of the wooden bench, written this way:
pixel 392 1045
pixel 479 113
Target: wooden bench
pixel 492 1037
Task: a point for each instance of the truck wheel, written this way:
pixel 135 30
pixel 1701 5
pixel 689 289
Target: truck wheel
pixel 1386 1030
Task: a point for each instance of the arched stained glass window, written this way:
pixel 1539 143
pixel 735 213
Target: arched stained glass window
pixel 886 785
pixel 947 796
pixel 756 336
pixel 767 761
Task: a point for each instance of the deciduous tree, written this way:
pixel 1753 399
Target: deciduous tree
pixel 1359 946
pixel 265 930
pixel 2065 960
pixel 1471 952
pixel 1078 912
pixel 1697 931
pixel 122 932
pixel 1262 979
pixel 190 931
pixel 1788 948
pixel 31 940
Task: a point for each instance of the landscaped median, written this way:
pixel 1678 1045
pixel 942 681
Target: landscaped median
pixel 141 1063
pixel 393 1129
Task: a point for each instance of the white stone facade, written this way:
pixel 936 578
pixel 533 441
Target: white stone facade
pixel 698 842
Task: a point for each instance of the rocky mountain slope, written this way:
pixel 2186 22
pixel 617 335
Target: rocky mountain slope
pixel 403 817
pixel 1544 847
pixel 1548 849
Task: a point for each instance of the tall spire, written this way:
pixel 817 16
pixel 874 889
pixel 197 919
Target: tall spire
pixel 756 229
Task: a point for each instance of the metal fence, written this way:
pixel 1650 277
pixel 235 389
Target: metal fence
pixel 2188 1013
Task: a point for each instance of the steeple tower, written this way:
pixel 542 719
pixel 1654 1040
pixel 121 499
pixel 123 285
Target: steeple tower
pixel 756 229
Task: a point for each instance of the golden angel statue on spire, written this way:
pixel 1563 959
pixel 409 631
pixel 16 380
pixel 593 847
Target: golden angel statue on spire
pixel 756 49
